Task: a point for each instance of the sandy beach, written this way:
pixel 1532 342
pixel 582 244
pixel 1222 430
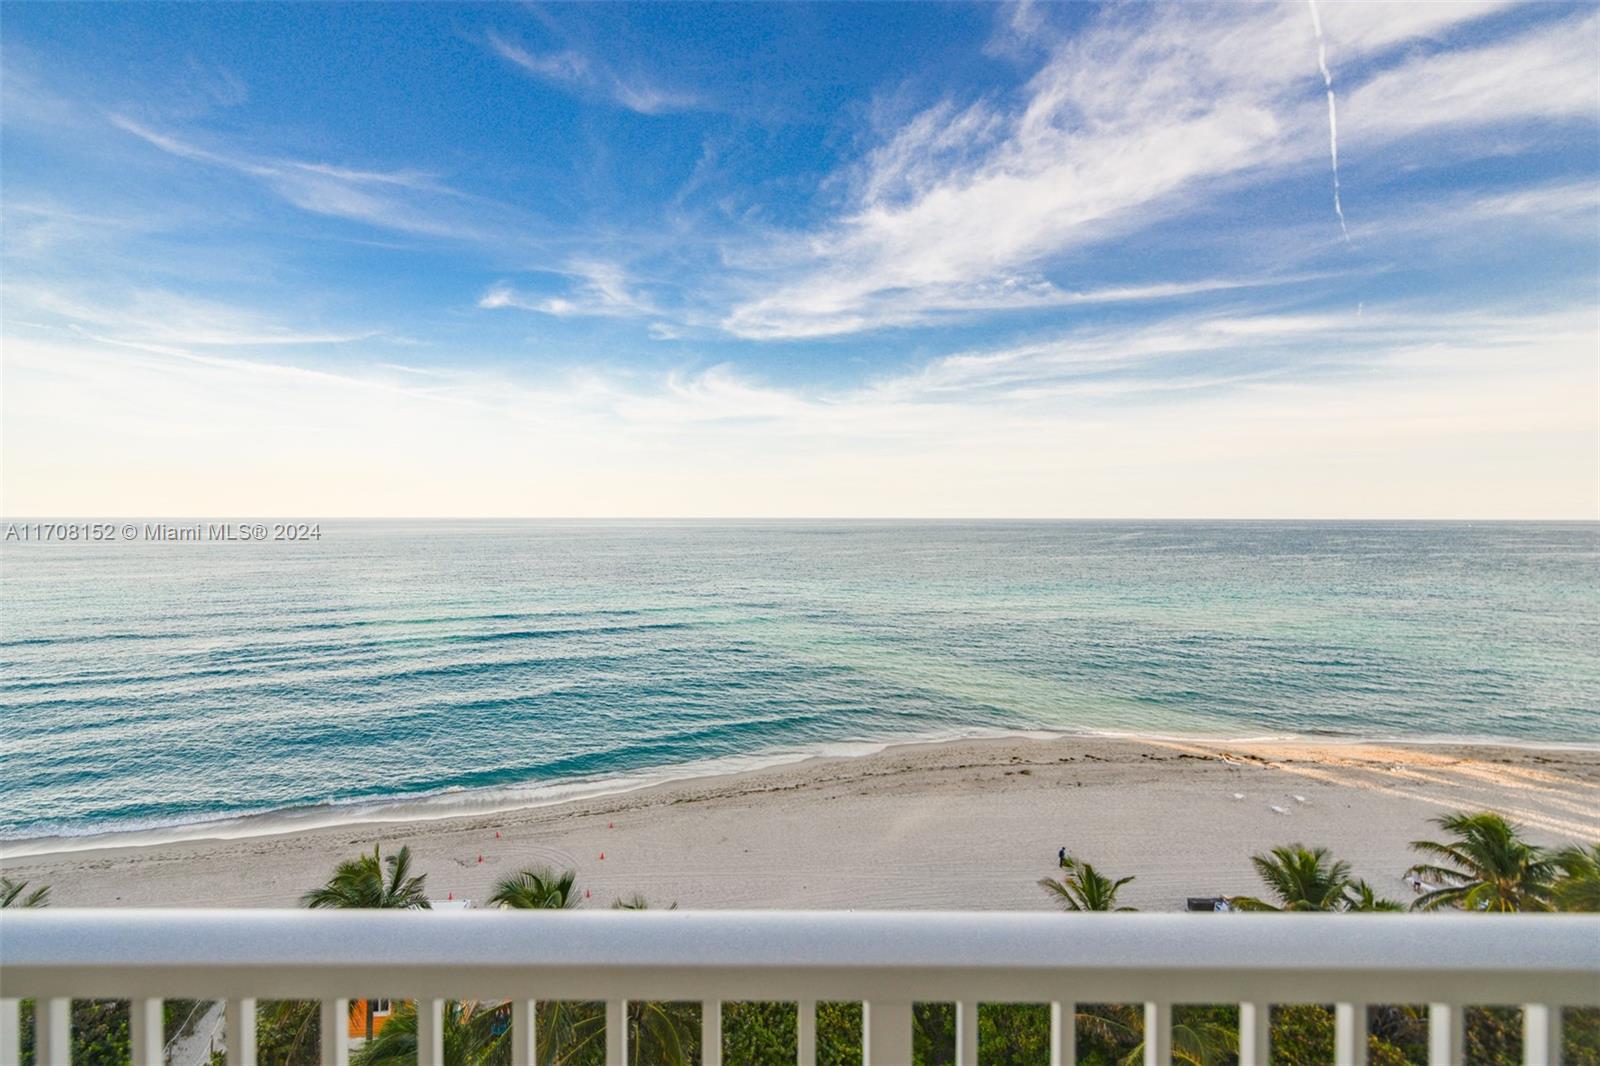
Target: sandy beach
pixel 959 825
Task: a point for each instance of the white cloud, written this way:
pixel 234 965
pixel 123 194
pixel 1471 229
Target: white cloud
pixel 1136 117
pixel 405 201
pixel 575 70
pixel 1552 202
pixel 1372 28
pixel 1546 73
pixel 159 319
pixel 1493 418
pixel 601 290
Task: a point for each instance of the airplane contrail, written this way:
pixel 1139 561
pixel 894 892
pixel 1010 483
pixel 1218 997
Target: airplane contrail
pixel 1333 115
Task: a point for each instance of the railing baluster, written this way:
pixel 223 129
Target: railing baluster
pixel 1158 1034
pixel 967 1033
pixel 616 1032
pixel 335 1026
pixel 145 1033
pixel 806 1033
pixel 430 1032
pixel 711 1033
pixel 241 1029
pixel 886 1040
pixel 1255 1034
pixel 1541 1035
pixel 10 1032
pixel 1445 1034
pixel 52 1032
pixel 1063 1033
pixel 524 1032
pixel 1350 1034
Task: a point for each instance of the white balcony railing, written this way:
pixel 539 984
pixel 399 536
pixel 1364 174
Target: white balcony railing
pixel 886 960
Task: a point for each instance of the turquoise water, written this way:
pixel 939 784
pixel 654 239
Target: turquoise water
pixel 146 684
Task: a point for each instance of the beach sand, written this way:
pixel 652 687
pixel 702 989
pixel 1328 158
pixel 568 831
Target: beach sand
pixel 959 825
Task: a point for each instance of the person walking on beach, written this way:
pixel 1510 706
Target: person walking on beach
pixel 1061 857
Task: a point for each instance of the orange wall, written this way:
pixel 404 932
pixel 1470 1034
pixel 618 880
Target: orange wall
pixel 358 1019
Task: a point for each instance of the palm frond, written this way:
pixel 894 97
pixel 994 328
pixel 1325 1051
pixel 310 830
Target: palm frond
pixel 538 889
pixel 11 894
pixel 359 883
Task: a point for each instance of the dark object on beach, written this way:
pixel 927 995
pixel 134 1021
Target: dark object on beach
pixel 1208 903
pixel 1061 856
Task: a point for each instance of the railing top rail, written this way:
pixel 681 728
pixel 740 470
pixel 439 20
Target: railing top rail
pixel 66 938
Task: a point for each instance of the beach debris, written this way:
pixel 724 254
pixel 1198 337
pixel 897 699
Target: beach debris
pixel 1275 809
pixel 1238 795
pixel 480 858
pixel 1301 799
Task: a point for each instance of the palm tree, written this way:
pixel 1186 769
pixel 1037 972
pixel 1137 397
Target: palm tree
pixel 1083 888
pixel 1201 1041
pixel 1579 887
pixel 360 883
pixel 636 902
pixel 537 889
pixel 474 1035
pixel 478 1034
pixel 1361 896
pixel 1302 878
pixel 1199 1037
pixel 1491 868
pixel 659 1034
pixel 11 894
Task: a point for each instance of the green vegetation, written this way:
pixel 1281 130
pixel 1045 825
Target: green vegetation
pixel 11 894
pixel 1308 879
pixel 360 883
pixel 1486 867
pixel 539 889
pixel 1082 888
pixel 1579 887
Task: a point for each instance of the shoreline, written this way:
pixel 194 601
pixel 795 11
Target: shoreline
pixel 451 803
pixel 957 824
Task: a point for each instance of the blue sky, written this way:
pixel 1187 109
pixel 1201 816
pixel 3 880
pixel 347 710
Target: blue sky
pixel 861 259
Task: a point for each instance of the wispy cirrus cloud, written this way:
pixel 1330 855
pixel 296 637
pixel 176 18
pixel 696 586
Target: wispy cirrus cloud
pixel 578 72
pixel 406 201
pixel 1138 117
pixel 828 311
pixel 1544 73
pixel 600 290
pixel 160 319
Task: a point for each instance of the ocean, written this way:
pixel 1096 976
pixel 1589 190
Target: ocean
pixel 413 667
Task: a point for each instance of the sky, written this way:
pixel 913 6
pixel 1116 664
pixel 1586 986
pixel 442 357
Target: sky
pixel 1308 260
